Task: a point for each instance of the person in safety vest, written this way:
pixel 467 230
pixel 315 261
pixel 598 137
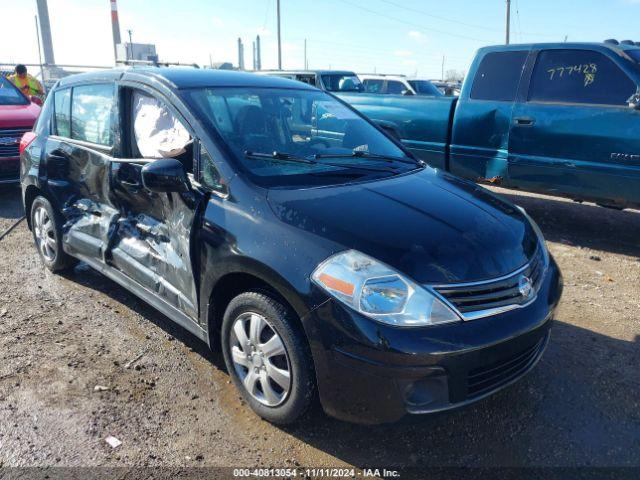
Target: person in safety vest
pixel 25 82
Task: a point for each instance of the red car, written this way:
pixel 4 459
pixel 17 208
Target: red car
pixel 18 113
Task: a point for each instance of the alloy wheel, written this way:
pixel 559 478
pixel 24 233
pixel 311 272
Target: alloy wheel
pixel 260 359
pixel 45 234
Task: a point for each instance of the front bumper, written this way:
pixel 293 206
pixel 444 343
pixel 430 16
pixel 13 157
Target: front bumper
pixel 9 170
pixel 368 372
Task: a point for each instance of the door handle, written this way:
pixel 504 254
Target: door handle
pixel 524 121
pixel 57 157
pixel 130 184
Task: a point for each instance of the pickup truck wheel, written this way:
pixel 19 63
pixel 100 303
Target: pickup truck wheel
pixel 267 357
pixel 47 234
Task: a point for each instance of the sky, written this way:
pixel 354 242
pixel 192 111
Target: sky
pixel 408 37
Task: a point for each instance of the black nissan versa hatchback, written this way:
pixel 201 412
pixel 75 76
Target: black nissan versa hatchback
pixel 274 222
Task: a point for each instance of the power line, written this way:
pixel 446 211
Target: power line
pixel 518 19
pixel 422 12
pixel 411 24
pixel 458 22
pixel 266 15
pixel 368 50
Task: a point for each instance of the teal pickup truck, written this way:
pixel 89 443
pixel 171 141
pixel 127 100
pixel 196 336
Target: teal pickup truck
pixel 561 119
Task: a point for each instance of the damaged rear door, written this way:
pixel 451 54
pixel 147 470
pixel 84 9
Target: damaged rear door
pixel 152 242
pixel 77 161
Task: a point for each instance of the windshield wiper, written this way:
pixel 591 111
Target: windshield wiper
pixel 363 154
pixel 289 157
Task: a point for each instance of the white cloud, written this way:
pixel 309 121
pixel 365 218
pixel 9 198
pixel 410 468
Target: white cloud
pixel 417 36
pixel 403 53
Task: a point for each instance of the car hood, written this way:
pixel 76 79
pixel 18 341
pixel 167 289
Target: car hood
pixel 18 115
pixel 431 226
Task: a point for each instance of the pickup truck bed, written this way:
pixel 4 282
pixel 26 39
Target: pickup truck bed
pixel 423 124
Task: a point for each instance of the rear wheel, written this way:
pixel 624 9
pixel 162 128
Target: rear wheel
pixel 47 234
pixel 267 357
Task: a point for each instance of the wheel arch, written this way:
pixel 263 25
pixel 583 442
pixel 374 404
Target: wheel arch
pixel 250 276
pixel 30 194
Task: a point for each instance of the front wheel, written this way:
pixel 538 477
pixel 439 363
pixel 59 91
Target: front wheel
pixel 47 234
pixel 267 357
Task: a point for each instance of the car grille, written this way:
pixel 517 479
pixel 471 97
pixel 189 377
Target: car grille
pixel 478 299
pixel 10 141
pixel 487 378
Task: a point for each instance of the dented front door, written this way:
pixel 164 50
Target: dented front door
pixel 152 242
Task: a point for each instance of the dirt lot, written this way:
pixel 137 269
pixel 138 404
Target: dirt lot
pixel 62 339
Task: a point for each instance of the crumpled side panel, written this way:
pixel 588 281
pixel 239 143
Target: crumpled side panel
pixel 157 253
pixel 86 202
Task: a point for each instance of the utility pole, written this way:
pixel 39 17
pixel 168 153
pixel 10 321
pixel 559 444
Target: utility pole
pixel 115 28
pixel 130 45
pixel 40 55
pixel 508 21
pixel 279 39
pixel 442 75
pixel 45 32
pixel 258 53
pixel 255 61
pixel 306 65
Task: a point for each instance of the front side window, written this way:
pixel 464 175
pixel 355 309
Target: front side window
pixel 294 137
pixel 209 174
pixel 498 76
pixel 62 108
pixel 395 88
pixel 308 79
pixel 342 83
pixel 579 76
pixel 373 86
pixel 425 87
pixel 9 95
pixel 91 113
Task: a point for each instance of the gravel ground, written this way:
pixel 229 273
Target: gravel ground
pixel 82 359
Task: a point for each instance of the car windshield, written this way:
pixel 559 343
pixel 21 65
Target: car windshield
pixel 284 137
pixel 342 83
pixel 425 87
pixel 9 95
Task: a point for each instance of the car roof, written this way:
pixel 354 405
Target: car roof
pixel 556 45
pixel 384 77
pixel 307 72
pixel 186 77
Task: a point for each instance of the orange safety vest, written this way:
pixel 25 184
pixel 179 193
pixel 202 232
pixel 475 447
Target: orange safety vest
pixel 27 85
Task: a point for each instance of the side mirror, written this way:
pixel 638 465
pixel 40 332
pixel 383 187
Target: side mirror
pixel 407 92
pixel 165 175
pixel 36 100
pixel 634 101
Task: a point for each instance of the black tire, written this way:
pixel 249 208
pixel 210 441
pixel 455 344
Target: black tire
pixel 59 260
pixel 281 320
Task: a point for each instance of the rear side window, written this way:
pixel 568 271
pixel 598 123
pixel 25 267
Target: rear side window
pixel 62 108
pixel 373 86
pixel 498 76
pixel 91 113
pixel 395 88
pixel 579 76
pixel 45 122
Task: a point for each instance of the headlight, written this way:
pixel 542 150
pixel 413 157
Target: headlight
pixel 379 292
pixel 541 241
